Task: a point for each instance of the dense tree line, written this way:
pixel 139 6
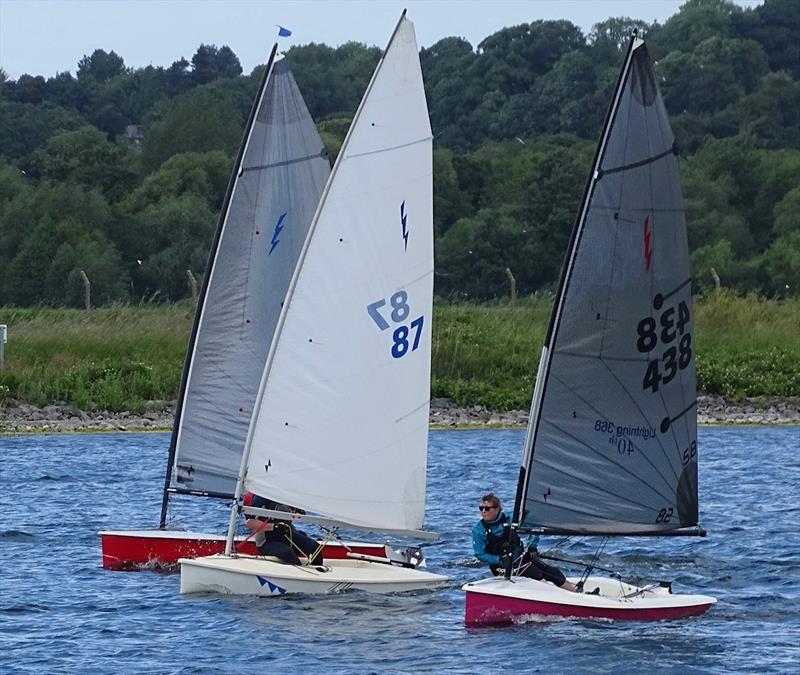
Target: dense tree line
pixel 515 122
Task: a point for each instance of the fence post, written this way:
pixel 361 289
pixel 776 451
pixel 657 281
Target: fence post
pixel 716 279
pixel 87 291
pixel 513 282
pixel 192 284
pixel 3 340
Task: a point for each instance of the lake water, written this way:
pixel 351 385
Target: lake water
pixel 61 612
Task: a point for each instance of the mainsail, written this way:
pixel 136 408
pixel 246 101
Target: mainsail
pixel 341 424
pixel 612 441
pixel 278 179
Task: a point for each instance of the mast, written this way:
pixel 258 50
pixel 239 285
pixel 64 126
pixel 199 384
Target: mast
pixel 290 295
pixel 563 284
pixel 204 290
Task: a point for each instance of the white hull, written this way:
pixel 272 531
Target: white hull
pixel 497 601
pixel 266 576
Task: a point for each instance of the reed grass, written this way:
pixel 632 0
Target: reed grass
pixel 129 357
pixel 116 358
pixel 748 346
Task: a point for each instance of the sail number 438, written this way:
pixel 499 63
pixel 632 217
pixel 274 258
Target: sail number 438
pixel 398 311
pixel 671 327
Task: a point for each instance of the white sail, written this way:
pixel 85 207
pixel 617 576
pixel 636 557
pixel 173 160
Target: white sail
pixel 341 426
pixel 277 185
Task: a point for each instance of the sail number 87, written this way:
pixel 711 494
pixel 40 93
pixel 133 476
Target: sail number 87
pixel 398 312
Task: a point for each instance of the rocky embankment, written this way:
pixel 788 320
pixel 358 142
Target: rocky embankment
pixel 18 418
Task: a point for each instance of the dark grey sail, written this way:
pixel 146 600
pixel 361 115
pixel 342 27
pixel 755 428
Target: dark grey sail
pixel 612 440
pixel 282 170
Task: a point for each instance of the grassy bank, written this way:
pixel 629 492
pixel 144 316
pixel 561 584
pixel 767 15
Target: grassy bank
pixel 121 357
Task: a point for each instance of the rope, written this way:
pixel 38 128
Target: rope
pixel 253 533
pixel 590 566
pixel 301 553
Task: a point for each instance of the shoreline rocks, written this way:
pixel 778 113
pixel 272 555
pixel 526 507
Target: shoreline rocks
pixel 22 418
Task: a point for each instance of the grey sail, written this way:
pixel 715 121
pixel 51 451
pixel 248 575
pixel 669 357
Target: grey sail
pixel 279 178
pixel 612 442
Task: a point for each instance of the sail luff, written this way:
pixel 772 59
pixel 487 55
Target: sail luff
pixel 552 327
pixel 206 280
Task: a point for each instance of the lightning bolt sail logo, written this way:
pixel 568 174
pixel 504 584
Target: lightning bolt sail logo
pixel 648 243
pixel 403 219
pixel 276 233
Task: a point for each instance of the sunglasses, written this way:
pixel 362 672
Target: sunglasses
pixel 487 508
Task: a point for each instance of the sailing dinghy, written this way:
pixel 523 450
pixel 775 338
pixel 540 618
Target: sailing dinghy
pixel 273 193
pixel 340 426
pixel 611 446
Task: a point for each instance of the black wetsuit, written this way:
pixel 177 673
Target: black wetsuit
pixel 284 540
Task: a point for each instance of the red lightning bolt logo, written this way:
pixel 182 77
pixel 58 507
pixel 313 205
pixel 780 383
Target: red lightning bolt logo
pixel 648 244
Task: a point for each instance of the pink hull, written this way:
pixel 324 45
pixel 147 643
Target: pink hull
pixel 127 551
pixel 484 609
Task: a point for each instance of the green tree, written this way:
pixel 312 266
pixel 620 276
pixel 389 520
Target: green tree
pixel 24 126
pixel 616 33
pixel 85 156
pixel 201 120
pixel 448 199
pixel 91 253
pixel 444 68
pixel 100 66
pixel 771 113
pixel 781 264
pixel 210 63
pixel 776 25
pixel 716 259
pixel 696 21
pixel 178 77
pixel 29 89
pixel 175 206
pixel 173 236
pixel 32 227
pixel 717 73
pixel 333 80
pixel 203 174
pixel 66 91
pixel 333 131
pixel 787 213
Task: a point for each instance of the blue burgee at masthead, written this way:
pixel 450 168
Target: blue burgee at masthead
pixel 283 32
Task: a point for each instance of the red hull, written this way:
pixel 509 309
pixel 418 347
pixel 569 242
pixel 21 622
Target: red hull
pixel 161 549
pixel 484 609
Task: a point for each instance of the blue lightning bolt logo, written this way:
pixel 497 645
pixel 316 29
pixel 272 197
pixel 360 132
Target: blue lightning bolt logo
pixel 403 218
pixel 277 233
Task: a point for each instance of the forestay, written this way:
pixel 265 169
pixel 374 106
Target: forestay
pixel 342 425
pixel 612 445
pixel 282 172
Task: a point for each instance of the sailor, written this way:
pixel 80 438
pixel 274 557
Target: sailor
pixel 490 542
pixel 280 538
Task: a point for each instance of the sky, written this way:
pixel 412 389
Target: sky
pixel 44 37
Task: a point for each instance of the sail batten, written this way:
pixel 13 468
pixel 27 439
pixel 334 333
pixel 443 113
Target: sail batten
pixel 636 165
pixel 612 443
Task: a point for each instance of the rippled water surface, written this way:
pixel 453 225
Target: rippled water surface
pixel 60 612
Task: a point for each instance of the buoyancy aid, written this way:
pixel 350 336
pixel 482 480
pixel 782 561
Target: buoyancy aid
pixel 496 543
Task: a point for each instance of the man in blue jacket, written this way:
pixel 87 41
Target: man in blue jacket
pixel 489 541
